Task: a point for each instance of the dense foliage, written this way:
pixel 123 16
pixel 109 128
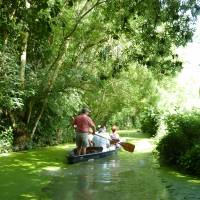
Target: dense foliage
pixel 150 122
pixel 58 55
pixel 180 147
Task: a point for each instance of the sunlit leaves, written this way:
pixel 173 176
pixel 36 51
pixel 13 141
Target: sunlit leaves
pixel 108 50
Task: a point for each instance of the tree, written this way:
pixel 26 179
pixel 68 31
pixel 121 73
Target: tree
pixel 81 45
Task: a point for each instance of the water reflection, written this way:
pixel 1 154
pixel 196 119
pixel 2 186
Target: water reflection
pixel 83 189
pixel 122 177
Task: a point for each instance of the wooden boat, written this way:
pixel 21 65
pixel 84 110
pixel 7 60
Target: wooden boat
pixel 91 153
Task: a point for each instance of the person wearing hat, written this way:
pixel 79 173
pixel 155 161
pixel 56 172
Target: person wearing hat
pixel 83 123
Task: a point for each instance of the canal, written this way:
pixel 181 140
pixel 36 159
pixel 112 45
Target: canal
pixel 43 174
pixel 125 176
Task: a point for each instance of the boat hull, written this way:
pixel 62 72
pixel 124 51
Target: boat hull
pixel 72 158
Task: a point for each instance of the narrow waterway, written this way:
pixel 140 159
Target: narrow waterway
pixel 125 176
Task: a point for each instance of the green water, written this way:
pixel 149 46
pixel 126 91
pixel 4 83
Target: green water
pixel 120 177
pixel 180 187
pixel 43 175
pixel 125 176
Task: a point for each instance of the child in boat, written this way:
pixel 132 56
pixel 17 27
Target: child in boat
pixel 115 136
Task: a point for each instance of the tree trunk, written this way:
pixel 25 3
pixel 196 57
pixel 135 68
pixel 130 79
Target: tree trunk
pixel 38 118
pixel 5 38
pixel 23 58
pixel 12 118
pixel 29 112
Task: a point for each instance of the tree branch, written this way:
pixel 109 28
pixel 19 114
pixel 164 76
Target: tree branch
pixel 59 62
pixel 67 36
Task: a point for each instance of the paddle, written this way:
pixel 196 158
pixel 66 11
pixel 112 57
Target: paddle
pixel 127 146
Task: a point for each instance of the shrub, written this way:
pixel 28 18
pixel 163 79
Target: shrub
pixel 190 125
pixel 150 122
pixel 190 161
pixel 180 146
pixel 171 147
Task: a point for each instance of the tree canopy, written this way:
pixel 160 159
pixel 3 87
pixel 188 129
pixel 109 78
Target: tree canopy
pixel 57 55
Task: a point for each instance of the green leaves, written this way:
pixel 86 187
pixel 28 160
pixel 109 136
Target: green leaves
pixel 106 53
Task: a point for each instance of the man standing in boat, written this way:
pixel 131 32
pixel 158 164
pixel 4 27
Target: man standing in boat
pixel 82 123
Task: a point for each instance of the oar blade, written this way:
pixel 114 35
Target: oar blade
pixel 128 146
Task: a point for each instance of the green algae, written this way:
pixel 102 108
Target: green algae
pixel 43 174
pixel 20 176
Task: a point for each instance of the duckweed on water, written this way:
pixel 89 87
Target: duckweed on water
pixel 43 174
pixel 20 172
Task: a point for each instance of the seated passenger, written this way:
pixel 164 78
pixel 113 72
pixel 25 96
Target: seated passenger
pixel 101 139
pixel 90 137
pixel 102 129
pixel 115 136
